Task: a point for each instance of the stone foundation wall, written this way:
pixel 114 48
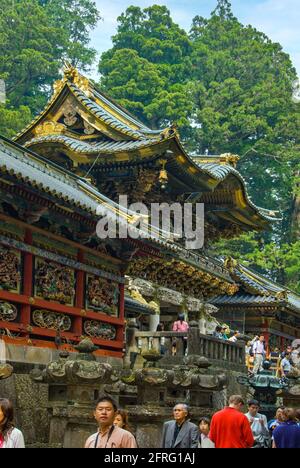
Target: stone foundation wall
pixel 49 423
pixel 30 403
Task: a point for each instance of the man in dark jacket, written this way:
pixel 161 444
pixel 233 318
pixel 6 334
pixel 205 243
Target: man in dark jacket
pixel 180 433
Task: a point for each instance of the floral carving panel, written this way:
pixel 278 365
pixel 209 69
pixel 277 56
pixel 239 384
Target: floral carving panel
pixel 102 295
pixel 101 330
pixel 51 320
pixel 54 282
pixel 10 265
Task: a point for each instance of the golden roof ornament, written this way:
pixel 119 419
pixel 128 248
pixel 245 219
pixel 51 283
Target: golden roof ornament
pixel 170 131
pixel 72 74
pixel 136 295
pixel 49 128
pixel 155 306
pixel 229 159
pixel 230 263
pixel 282 295
pixel 58 85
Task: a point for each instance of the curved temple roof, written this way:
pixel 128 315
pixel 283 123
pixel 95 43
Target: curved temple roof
pixel 48 178
pixel 257 290
pixel 118 137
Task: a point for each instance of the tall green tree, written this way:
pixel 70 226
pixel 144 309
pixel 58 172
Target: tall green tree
pixel 76 18
pixel 36 36
pixel 147 67
pixel 234 89
pixel 243 95
pixel 279 262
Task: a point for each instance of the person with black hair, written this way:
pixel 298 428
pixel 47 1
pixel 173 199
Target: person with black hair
pixel 204 428
pixel 217 333
pixel 109 435
pixel 10 436
pixel 259 425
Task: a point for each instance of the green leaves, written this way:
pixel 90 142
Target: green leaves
pixel 147 66
pixel 230 89
pixel 36 36
pixel 12 121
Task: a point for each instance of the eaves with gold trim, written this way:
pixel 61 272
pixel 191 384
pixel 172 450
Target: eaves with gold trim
pixel 82 128
pixel 22 168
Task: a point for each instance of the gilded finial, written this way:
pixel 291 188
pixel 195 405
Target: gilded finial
pixel 230 263
pixel 72 74
pixel 282 295
pixel 230 159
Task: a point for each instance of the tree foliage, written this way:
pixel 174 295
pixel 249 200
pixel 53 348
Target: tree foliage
pixel 146 68
pixel 234 90
pixel 279 262
pixel 36 36
pixel 228 87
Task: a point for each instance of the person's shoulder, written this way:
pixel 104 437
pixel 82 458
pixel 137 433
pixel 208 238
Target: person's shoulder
pixel 169 423
pixel 278 429
pixel 219 413
pixel 191 425
pixel 16 436
pixel 16 432
pixel 124 433
pixel 91 439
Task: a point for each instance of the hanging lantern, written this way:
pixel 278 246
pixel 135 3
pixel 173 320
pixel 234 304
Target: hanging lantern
pixel 163 175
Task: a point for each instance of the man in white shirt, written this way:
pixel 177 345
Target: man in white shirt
pixel 259 354
pixel 259 425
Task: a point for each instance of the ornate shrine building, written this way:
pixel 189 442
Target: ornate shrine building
pixel 58 280
pixel 260 306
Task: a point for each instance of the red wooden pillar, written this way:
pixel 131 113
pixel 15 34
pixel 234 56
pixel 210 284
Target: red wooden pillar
pixel 79 301
pixel 27 282
pixel 120 333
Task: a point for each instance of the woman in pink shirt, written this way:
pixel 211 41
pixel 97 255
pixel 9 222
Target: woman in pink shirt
pixel 180 326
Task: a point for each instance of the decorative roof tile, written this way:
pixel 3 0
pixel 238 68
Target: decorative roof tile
pixel 256 289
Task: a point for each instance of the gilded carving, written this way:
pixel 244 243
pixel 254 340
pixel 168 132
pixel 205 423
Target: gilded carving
pixel 180 276
pixel 51 320
pixel 72 74
pixel 54 282
pixel 9 270
pixel 101 330
pixel 230 159
pixel 70 117
pixel 102 295
pixel 49 128
pixel 282 295
pixel 88 129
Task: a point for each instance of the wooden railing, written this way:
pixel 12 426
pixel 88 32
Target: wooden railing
pixel 219 352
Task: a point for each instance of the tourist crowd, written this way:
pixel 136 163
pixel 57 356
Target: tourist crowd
pixel 228 428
